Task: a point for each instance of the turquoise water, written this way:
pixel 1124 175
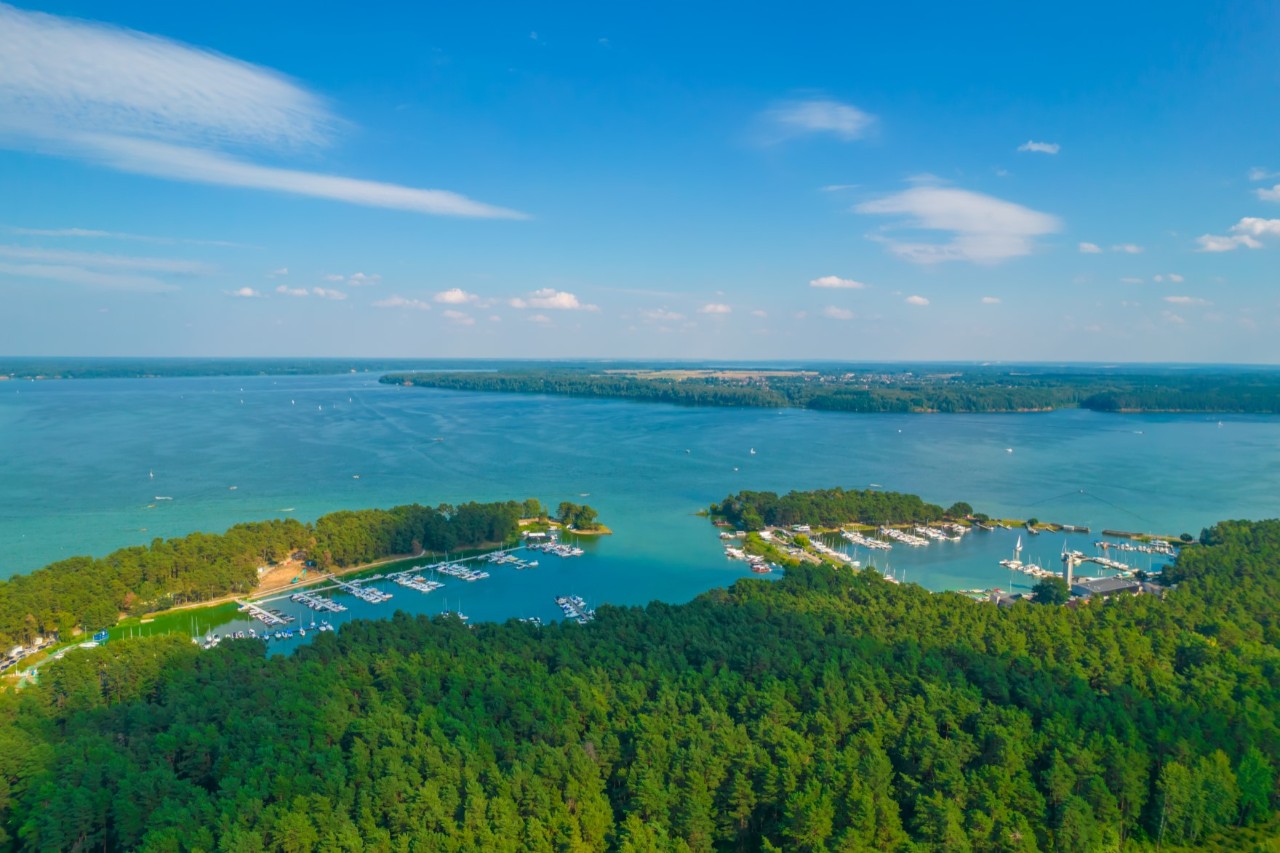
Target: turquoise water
pixel 84 461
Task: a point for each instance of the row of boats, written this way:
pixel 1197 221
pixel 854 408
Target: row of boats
pixel 317 602
pixel 559 549
pixel 211 640
pixel 575 607
pixel 368 594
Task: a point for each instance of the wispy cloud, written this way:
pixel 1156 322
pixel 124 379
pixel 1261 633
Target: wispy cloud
pixel 835 188
pixel 991 300
pixel 818 115
pixel 715 308
pixel 459 318
pixel 836 281
pixel 1173 277
pixel 1128 248
pixel 549 297
pixel 1040 147
pixel 279 272
pixel 1257 173
pixel 985 229
pixel 361 280
pixel 1090 249
pixel 320 292
pixel 1186 300
pixel 916 300
pixel 1131 279
pixel 245 293
pixel 175 266
pixel 147 105
pixel 1272 194
pixel 1244 233
pixel 72 274
pixel 96 234
pixel 662 315
pixel 402 302
pixel 835 313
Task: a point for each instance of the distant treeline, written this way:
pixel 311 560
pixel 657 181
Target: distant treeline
pixel 827 508
pixel 91 592
pixel 976 391
pixel 826 711
pixel 581 384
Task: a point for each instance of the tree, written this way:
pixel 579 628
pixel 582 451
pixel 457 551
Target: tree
pixel 959 509
pixel 1051 591
pixel 1257 783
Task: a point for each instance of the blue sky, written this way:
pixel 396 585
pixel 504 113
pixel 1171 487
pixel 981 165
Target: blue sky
pixel 1011 181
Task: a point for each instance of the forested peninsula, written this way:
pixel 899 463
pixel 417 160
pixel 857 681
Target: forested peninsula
pixel 830 710
pixel 885 389
pixel 90 593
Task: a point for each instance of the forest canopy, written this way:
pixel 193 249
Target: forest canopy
pixel 826 711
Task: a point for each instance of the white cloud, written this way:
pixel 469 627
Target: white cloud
pixel 1257 173
pixel 459 318
pixel 276 273
pixel 361 280
pixel 836 281
pixel 1127 248
pixel 759 313
pixel 990 300
pixel 1171 317
pixel 835 188
pixel 1040 147
pixel 1090 248
pixel 455 296
pixel 985 229
pixel 1243 233
pixel 549 297
pixel 329 294
pixel 1175 278
pixel 916 300
pixel 1186 300
pixel 540 319
pixel 715 308
pixel 819 115
pixel 1272 194
pixel 147 105
pixel 245 292
pixel 292 291
pixel 335 277
pixel 835 313
pixel 401 302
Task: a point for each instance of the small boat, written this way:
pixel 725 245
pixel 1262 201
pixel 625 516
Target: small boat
pixel 753 451
pixel 163 498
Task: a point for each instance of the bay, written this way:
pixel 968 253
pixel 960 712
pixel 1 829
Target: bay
pixel 86 463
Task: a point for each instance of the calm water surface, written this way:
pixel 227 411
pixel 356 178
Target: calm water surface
pixel 84 462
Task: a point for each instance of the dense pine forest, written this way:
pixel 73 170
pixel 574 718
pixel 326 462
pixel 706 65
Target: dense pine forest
pixel 826 711
pixel 886 389
pixel 89 593
pixel 749 510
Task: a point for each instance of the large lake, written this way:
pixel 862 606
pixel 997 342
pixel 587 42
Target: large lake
pixel 82 464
